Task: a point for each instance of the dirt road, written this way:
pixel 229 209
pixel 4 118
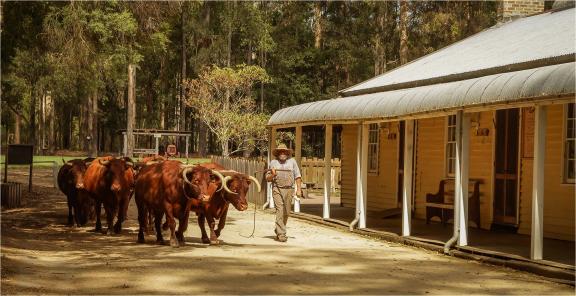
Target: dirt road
pixel 41 255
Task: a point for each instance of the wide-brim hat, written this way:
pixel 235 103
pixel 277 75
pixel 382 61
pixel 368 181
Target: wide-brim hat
pixel 281 148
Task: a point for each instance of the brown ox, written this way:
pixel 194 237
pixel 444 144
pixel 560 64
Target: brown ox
pixel 149 160
pixel 235 187
pixel 110 181
pixel 70 182
pixel 171 188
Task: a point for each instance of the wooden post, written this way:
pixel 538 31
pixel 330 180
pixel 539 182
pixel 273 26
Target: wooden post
pixel 327 170
pixel 131 109
pixel 298 145
pixel 458 174
pixel 124 144
pixel 537 234
pixel 157 145
pixel 298 157
pixel 407 175
pixel 464 139
pixel 272 146
pixel 362 173
pixel 187 147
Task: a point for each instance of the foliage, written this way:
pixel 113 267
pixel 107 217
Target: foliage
pixel 79 51
pixel 221 98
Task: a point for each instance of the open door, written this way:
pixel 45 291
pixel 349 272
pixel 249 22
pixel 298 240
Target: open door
pixel 506 167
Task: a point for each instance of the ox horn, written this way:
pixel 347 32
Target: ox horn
pixel 184 172
pixel 103 162
pixel 255 182
pixel 130 164
pixel 225 186
pixel 221 177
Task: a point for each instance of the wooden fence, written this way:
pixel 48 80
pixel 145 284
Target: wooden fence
pixel 312 170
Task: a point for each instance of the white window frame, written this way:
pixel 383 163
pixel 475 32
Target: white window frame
pixel 373 148
pixel 448 142
pixel 565 160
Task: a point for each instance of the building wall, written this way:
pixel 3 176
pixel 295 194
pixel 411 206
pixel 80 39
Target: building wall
pixel 349 142
pixel 559 206
pixel 382 186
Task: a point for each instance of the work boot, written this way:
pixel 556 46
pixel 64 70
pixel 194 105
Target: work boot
pixel 282 238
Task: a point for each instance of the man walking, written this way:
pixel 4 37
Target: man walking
pixel 283 174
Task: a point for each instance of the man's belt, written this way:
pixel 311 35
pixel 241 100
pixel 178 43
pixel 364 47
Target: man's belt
pixel 285 187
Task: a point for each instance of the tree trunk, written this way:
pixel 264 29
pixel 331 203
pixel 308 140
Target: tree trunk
pixel 50 125
pixel 403 32
pixel 17 124
pixel 229 37
pixel 182 119
pixel 224 146
pixel 131 110
pixel 202 143
pixel 93 124
pixel 380 38
pixel 162 115
pixel 42 124
pixel 32 135
pixel 202 147
pixel 318 24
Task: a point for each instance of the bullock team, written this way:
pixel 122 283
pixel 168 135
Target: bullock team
pixel 161 188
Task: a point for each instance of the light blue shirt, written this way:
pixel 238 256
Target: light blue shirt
pixel 285 178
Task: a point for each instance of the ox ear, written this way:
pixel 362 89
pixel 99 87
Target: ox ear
pixel 129 164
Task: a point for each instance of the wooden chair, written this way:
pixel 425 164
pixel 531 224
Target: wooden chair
pixel 441 204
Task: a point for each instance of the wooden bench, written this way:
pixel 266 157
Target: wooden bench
pixel 441 204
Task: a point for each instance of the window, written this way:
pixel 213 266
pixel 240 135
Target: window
pixel 373 146
pixel 451 145
pixel 569 143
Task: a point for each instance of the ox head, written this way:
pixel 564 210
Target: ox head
pixel 76 169
pixel 119 174
pixel 83 204
pixel 236 188
pixel 200 181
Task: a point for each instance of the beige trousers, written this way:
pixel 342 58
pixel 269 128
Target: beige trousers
pixel 282 202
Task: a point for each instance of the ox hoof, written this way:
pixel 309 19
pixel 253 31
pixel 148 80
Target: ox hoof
pixel 205 240
pixel 217 232
pixel 174 243
pixel 109 231
pixel 214 242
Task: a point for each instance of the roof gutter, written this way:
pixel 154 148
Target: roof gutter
pixel 567 58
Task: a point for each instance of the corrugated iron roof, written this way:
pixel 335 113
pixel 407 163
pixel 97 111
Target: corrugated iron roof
pixel 540 37
pixel 555 80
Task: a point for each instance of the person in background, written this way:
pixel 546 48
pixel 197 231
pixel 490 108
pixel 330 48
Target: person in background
pixel 284 174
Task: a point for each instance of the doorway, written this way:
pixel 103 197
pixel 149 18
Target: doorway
pixel 506 167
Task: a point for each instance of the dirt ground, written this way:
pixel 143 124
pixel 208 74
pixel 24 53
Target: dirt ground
pixel 40 255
